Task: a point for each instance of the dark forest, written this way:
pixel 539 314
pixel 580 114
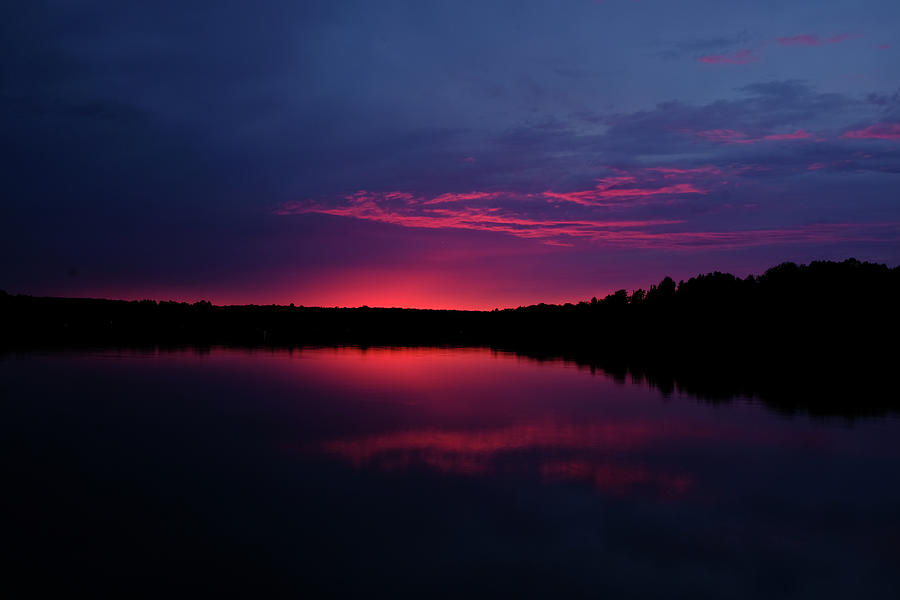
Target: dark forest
pixel 829 329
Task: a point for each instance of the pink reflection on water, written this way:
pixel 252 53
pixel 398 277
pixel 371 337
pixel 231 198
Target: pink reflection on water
pixel 616 479
pixel 483 414
pixel 594 453
pixel 617 436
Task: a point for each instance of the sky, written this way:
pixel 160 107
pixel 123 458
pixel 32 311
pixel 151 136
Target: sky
pixel 440 154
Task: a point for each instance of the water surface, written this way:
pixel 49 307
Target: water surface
pixel 429 471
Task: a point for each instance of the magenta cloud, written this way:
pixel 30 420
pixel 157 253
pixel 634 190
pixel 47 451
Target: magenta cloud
pixel 741 57
pixel 807 39
pixel 880 131
pixel 731 136
pixel 559 218
pixel 646 234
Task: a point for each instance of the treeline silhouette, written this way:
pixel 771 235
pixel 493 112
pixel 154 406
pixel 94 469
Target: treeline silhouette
pixel 826 328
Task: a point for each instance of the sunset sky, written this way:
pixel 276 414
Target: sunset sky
pixel 464 154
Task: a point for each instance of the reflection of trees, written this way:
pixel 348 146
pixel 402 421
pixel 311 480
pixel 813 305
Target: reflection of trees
pixel 817 390
pixel 791 328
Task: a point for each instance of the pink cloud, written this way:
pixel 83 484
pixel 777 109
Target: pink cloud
pixel 809 234
pixel 730 136
pixel 880 131
pixel 462 197
pixel 602 194
pixel 631 233
pixel 725 136
pixel 469 159
pixel 639 186
pixel 668 172
pixel 741 57
pixel 371 206
pixel 512 212
pixel 884 46
pixel 814 40
pixel 797 135
pixel 401 196
pixel 589 214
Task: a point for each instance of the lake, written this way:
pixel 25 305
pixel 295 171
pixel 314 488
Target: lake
pixel 428 472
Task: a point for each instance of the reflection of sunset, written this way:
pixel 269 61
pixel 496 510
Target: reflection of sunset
pixel 475 412
pixel 616 479
pixel 587 451
pixel 598 436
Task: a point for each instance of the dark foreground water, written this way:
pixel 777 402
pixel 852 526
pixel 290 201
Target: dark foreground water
pixel 427 472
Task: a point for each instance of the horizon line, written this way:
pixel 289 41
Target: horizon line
pixel 366 306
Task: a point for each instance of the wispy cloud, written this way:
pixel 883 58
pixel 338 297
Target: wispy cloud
pixel 628 187
pixel 730 136
pixel 462 197
pixel 880 131
pixel 725 136
pixel 422 213
pixel 693 172
pixel 808 39
pixel 797 135
pixel 704 45
pixel 591 213
pixel 741 57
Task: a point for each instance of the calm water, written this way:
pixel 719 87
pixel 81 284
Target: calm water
pixel 429 472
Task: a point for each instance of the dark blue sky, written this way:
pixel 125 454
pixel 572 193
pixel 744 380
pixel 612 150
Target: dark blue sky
pixel 462 154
